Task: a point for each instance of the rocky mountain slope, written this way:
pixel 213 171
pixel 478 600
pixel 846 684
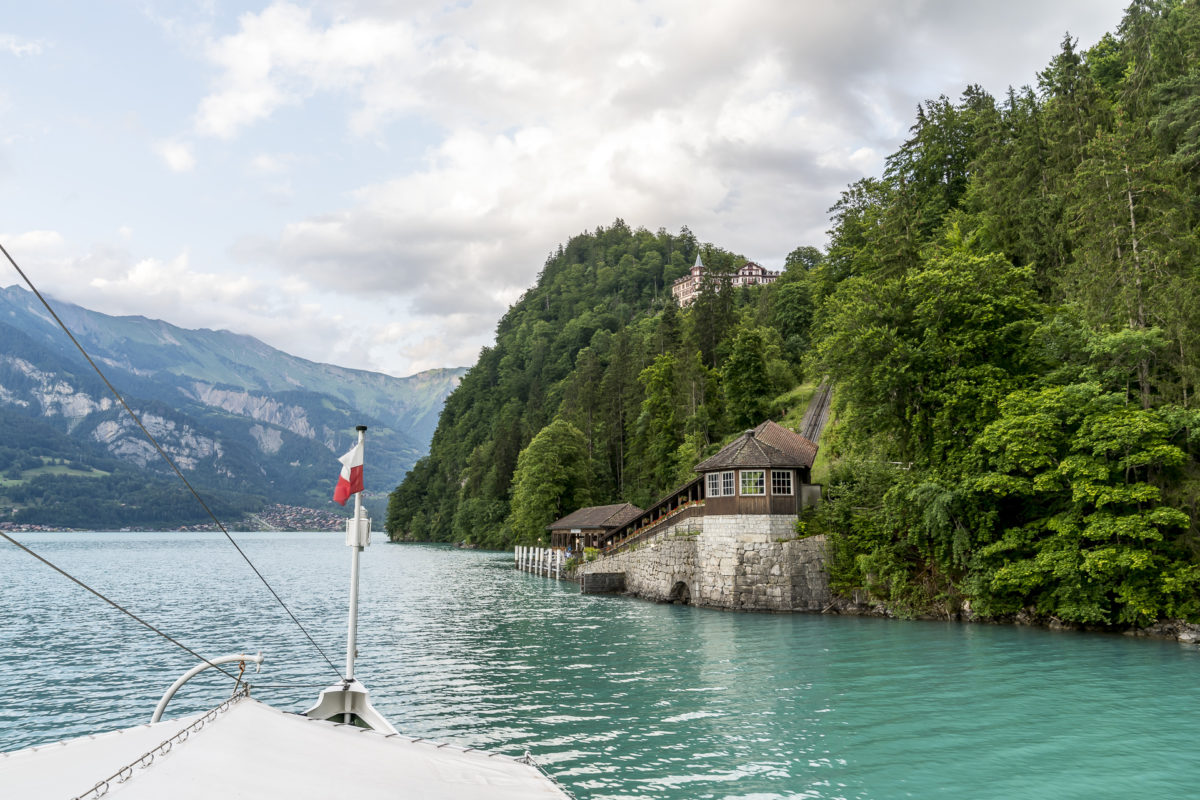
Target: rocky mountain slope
pixel 238 416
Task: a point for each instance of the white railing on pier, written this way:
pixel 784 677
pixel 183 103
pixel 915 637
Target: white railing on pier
pixel 545 561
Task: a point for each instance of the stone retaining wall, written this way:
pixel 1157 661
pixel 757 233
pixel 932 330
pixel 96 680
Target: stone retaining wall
pixel 601 582
pixel 743 562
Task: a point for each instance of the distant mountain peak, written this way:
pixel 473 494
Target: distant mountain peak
pixel 236 413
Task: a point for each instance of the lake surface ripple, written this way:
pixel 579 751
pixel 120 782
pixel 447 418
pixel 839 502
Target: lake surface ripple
pixel 617 698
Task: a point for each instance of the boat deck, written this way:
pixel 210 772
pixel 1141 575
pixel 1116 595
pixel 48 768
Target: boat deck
pixel 251 750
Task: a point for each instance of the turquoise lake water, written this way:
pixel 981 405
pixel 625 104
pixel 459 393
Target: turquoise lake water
pixel 617 698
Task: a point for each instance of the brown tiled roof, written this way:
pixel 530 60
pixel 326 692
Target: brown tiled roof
pixel 768 445
pixel 790 442
pixel 597 517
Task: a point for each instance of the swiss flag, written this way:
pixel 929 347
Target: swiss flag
pixel 351 480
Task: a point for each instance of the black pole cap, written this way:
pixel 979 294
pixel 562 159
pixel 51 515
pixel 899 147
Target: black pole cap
pixel 360 427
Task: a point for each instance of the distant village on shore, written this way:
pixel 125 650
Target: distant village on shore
pixel 275 517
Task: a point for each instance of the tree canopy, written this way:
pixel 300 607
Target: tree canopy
pixel 1009 315
pixel 1009 320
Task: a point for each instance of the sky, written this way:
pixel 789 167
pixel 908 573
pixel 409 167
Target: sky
pixel 372 184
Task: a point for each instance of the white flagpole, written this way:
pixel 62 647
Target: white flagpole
pixel 348 700
pixel 356 543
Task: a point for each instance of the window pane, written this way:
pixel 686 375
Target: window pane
pixel 713 484
pixel 781 482
pixel 754 481
pixel 727 481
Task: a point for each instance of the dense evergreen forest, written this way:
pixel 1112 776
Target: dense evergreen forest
pixel 599 389
pixel 1009 314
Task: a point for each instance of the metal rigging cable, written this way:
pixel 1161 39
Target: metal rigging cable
pixel 169 461
pixel 114 604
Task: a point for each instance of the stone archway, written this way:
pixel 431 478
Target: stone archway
pixel 680 593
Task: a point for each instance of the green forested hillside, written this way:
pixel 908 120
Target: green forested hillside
pixel 1009 314
pixel 599 389
pixel 1012 322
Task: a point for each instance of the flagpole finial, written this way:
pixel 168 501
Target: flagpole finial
pixel 360 427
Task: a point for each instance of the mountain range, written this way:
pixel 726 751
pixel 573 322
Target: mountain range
pixel 249 423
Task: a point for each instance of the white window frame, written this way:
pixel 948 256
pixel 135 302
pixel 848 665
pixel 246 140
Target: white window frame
pixel 712 484
pixel 786 475
pixel 748 474
pixel 728 483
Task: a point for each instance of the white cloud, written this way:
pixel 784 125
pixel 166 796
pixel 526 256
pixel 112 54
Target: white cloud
pixel 741 121
pixel 279 57
pixel 177 155
pixel 19 47
pixel 502 129
pixel 36 244
pixel 271 163
pixel 114 280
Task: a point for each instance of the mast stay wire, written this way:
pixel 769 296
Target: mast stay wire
pixel 114 604
pixel 170 461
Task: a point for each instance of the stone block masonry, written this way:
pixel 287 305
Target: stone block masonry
pixel 601 582
pixel 740 562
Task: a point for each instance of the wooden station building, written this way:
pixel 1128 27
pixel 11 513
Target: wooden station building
pixel 766 471
pixel 587 527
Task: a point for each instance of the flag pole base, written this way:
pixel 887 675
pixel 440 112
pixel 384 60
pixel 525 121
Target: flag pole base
pixel 349 703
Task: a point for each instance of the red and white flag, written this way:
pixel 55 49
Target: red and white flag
pixel 351 480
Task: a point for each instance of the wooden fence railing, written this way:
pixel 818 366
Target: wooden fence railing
pixel 684 512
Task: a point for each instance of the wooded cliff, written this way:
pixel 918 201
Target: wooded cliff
pixel 1009 314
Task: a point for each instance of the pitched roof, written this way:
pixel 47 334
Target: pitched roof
pixel 803 449
pixel 768 445
pixel 597 517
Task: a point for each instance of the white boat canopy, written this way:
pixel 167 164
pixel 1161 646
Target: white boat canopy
pixel 246 749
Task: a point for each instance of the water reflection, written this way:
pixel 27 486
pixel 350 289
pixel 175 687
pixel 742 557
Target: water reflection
pixel 619 698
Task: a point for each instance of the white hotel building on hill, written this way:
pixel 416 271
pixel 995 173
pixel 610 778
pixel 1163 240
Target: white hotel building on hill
pixel 749 274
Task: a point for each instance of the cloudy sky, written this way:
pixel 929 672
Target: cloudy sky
pixel 372 183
